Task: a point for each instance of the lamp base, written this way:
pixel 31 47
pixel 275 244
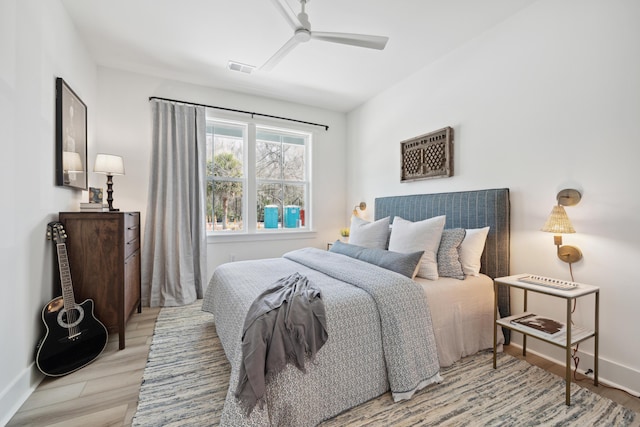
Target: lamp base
pixel 570 254
pixel 110 193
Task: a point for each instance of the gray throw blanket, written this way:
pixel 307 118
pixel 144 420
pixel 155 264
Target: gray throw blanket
pixel 284 324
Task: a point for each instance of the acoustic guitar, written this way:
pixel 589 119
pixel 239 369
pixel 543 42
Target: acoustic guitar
pixel 74 337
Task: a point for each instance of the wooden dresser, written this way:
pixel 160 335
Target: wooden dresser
pixel 104 259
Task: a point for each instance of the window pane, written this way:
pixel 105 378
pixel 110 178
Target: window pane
pixel 293 162
pixel 228 144
pixel 269 197
pixel 275 136
pixel 294 206
pixel 294 195
pixel 268 160
pixel 227 205
pixel 225 157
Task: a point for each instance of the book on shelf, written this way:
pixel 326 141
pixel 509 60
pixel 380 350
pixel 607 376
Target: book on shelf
pixel 542 324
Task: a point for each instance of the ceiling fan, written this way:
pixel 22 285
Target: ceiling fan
pixel 302 33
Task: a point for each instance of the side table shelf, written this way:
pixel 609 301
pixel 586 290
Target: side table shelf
pixel 572 334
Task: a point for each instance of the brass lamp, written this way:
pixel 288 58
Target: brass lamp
pixel 109 165
pixel 362 206
pixel 559 223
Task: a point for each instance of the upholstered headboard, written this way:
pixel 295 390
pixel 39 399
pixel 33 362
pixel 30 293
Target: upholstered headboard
pixel 465 209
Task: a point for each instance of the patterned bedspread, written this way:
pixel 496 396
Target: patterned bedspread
pixel 380 336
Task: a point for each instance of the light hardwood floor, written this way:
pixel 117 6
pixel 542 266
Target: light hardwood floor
pixel 105 393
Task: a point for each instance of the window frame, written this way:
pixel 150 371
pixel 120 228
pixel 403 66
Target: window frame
pixel 250 229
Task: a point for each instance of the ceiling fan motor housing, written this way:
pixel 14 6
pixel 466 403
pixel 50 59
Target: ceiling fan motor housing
pixel 303 35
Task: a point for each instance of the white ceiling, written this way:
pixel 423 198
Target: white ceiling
pixel 192 40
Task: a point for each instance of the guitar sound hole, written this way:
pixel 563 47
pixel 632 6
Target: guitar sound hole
pixel 70 318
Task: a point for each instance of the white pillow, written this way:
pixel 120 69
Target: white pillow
pixel 471 250
pixel 407 237
pixel 369 234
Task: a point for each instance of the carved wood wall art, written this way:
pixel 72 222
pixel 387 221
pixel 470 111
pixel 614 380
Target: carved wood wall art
pixel 427 156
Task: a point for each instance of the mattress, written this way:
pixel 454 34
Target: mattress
pixel 462 315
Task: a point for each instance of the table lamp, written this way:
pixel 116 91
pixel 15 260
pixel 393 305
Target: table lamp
pixel 109 165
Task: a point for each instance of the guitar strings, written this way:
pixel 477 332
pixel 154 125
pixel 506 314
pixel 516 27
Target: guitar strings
pixel 70 306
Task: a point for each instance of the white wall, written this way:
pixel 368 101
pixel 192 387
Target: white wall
pixel 124 128
pixel 549 99
pixel 37 44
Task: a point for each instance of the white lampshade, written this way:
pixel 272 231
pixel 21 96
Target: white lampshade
pixel 109 164
pixel 71 162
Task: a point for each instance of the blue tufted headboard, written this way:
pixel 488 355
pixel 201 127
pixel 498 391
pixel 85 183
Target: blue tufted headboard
pixel 464 209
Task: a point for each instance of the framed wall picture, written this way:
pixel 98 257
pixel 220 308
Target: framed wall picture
pixel 71 138
pixel 427 156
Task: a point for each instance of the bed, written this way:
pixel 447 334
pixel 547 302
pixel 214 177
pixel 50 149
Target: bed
pixel 386 331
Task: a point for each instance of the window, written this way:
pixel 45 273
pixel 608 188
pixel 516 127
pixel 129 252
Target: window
pixel 258 178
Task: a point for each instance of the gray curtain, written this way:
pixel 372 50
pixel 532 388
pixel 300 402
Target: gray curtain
pixel 175 243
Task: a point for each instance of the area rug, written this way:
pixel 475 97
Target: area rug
pixel 187 375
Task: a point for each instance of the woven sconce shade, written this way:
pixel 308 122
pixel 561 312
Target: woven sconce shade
pixel 558 221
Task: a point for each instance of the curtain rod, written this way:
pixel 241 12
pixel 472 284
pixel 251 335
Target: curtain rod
pixel 239 111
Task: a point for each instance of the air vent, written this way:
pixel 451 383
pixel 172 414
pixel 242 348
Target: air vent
pixel 243 68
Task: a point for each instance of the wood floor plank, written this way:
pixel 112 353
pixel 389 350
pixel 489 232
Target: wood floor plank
pixel 106 417
pixel 111 382
pixel 53 395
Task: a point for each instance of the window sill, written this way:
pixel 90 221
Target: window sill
pixel 262 236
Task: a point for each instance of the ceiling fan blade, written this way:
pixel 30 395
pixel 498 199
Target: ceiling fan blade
pixel 361 40
pixel 287 13
pixel 281 53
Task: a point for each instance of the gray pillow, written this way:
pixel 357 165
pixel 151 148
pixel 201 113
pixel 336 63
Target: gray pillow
pixel 405 264
pixel 449 264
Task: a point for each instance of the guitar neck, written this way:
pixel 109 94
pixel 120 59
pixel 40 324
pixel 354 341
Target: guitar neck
pixel 65 277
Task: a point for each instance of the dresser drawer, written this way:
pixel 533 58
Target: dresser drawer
pixel 130 247
pixel 131 233
pixel 131 226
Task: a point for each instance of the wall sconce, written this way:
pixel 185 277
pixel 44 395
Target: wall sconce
pixel 109 165
pixel 558 222
pixel 362 206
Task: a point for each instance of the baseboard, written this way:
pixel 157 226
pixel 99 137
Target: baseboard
pixel 16 393
pixel 609 373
